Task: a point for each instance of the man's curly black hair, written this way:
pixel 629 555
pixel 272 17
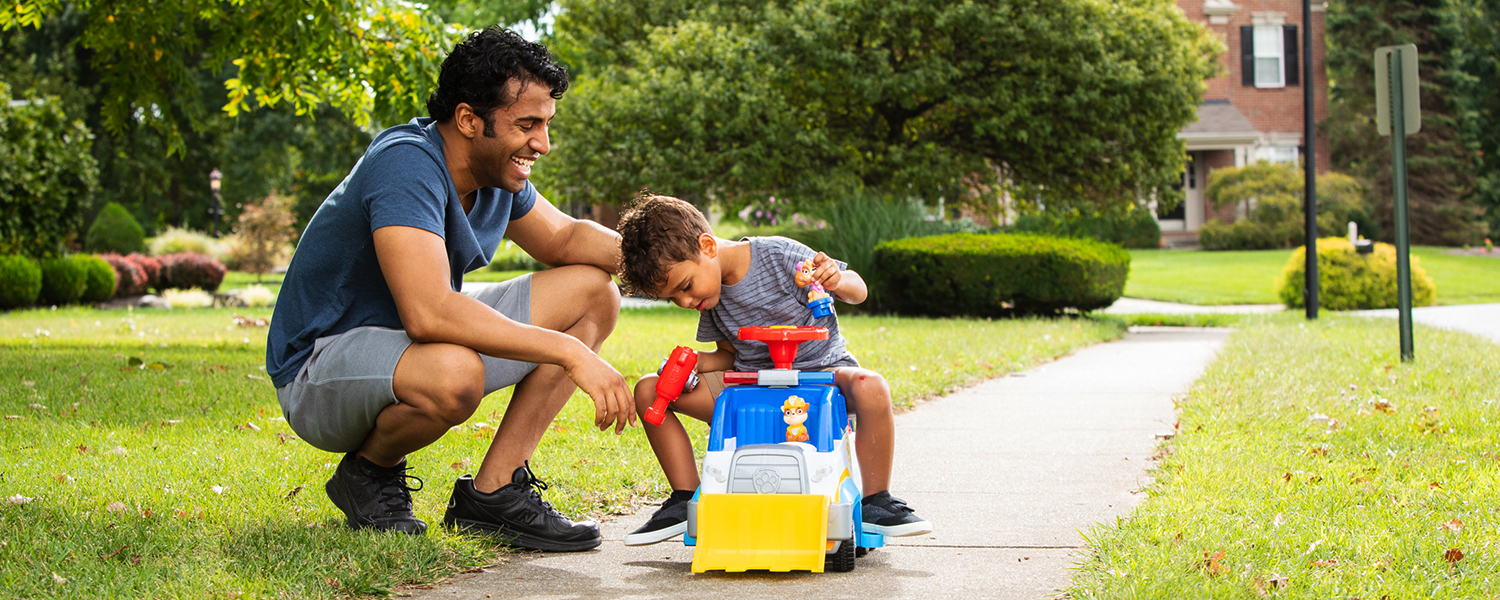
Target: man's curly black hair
pixel 656 233
pixel 480 69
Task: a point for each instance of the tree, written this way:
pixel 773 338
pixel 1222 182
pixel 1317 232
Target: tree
pixel 810 99
pixel 47 177
pixel 264 233
pixel 374 60
pixel 1478 67
pixel 1440 167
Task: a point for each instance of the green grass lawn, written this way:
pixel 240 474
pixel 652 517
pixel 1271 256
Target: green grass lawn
pixel 1310 463
pixel 1251 276
pixel 174 476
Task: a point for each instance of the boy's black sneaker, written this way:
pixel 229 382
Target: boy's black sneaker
pixel 889 516
pixel 668 522
pixel 374 496
pixel 517 514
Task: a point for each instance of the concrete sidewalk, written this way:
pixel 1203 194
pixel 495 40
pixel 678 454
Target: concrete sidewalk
pixel 1010 472
pixel 1478 319
pixel 1128 306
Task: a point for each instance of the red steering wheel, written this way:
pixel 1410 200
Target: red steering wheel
pixel 783 340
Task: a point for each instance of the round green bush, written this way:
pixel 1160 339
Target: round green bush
pixel 20 281
pixel 99 278
pixel 1348 280
pixel 115 230
pixel 999 275
pixel 63 281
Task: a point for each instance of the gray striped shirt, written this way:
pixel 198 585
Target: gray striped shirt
pixel 768 295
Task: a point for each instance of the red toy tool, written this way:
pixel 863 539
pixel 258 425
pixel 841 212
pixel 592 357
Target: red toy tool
pixel 674 377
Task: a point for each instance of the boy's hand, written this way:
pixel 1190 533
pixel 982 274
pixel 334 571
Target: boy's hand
pixel 826 272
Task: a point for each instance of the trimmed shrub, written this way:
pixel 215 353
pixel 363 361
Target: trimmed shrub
pixel 115 230
pixel 1348 280
pixel 510 257
pixel 150 266
pixel 63 280
pixel 99 278
pixel 20 281
pixel 1272 194
pixel 1000 274
pixel 1136 230
pixel 190 270
pixel 130 278
pixel 1248 235
pixel 188 298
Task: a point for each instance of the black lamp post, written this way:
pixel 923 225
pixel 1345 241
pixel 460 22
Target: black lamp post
pixel 217 211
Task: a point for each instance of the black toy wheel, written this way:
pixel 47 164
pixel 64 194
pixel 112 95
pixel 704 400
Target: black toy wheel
pixel 842 560
pixel 861 551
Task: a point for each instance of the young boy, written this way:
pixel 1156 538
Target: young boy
pixel 669 252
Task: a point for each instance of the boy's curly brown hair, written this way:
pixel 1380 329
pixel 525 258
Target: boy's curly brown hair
pixel 657 232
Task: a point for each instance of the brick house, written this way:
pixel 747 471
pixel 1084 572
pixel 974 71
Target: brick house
pixel 1254 110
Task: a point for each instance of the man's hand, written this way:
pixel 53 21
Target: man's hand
pixel 614 404
pixel 826 272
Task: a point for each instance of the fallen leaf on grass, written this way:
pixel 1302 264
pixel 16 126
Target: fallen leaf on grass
pixel 284 437
pixel 36 407
pixel 58 579
pixel 218 489
pixel 116 506
pixel 250 426
pixel 1317 451
pixel 18 500
pixel 1435 486
pixel 1385 407
pixel 170 422
pixel 115 553
pixel 1212 565
pixel 63 478
pixel 29 383
pixel 255 377
pixel 1327 562
pixel 293 493
pixel 244 321
pixel 82 449
pixel 1454 525
pixel 1453 555
pixel 462 465
pixel 118 451
pixel 13 417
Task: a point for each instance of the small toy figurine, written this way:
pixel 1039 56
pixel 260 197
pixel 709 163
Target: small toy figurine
pixel 795 411
pixel 818 299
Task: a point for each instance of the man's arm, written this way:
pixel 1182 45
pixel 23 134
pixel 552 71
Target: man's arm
pixel 555 239
pixel 415 265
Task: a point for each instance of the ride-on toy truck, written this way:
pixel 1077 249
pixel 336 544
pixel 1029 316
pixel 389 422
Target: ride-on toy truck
pixel 780 488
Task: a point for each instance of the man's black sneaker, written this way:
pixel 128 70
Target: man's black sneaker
pixel 668 522
pixel 517 514
pixel 374 496
pixel 889 516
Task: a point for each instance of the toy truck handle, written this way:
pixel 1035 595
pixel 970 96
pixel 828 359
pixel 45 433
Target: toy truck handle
pixel 674 376
pixel 783 340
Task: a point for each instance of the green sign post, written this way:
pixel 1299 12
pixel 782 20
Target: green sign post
pixel 1398 114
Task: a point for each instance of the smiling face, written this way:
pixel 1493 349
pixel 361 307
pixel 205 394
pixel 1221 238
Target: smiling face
pixel 513 138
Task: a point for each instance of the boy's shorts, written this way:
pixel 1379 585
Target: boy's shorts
pixel 347 381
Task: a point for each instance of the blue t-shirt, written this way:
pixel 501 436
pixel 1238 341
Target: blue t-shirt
pixel 334 283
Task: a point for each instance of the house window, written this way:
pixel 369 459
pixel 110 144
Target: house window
pixel 1269 56
pixel 1277 154
pixel 1269 62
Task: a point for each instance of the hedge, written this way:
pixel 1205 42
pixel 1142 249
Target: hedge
pixel 190 270
pixel 99 278
pixel 63 281
pixel 1348 280
pixel 1000 274
pixel 130 278
pixel 20 281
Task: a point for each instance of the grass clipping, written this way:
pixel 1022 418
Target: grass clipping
pixel 1311 463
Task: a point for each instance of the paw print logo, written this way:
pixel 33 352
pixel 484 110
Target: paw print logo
pixel 766 481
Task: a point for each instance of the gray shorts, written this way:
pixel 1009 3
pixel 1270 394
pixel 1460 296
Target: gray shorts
pixel 346 382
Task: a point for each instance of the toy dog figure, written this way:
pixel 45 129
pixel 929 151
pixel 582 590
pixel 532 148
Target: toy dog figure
pixel 794 412
pixel 818 299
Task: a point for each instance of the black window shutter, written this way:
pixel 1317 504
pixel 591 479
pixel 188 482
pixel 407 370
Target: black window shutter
pixel 1293 64
pixel 1247 56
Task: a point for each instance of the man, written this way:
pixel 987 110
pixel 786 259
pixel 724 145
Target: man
pixel 374 353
